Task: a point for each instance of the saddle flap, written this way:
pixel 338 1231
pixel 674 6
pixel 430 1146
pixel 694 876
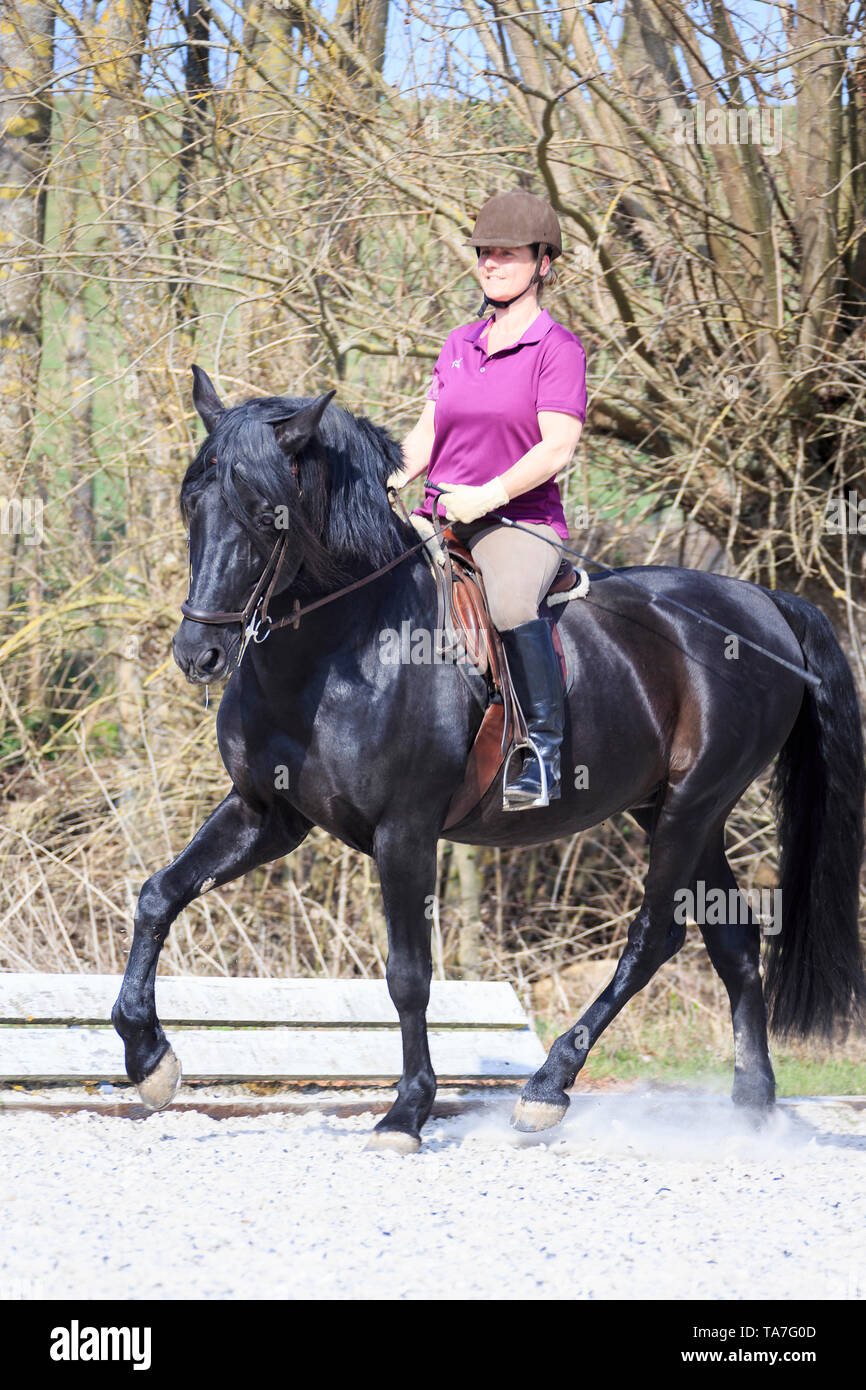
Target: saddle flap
pixel 470 611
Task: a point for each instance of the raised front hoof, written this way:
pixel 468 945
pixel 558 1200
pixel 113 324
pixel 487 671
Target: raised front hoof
pixel 529 1116
pixel 163 1084
pixel 392 1141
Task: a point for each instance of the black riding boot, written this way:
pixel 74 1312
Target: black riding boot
pixel 534 667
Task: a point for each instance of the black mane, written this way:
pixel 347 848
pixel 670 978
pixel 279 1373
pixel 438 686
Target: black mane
pixel 342 516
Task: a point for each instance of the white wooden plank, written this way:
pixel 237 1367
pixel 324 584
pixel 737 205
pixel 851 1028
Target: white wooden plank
pixel 38 998
pixel 291 1054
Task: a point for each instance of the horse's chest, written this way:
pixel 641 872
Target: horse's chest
pixel 302 747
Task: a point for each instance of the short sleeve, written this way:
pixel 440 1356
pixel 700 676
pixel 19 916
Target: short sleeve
pixel 562 378
pixel 438 378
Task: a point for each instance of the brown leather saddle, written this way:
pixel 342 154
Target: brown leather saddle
pixel 470 637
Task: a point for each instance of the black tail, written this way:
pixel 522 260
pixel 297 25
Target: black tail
pixel 814 981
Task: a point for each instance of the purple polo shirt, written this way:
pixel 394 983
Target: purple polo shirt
pixel 487 408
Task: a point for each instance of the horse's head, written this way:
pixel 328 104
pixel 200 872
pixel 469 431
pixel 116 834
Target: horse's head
pixel 241 500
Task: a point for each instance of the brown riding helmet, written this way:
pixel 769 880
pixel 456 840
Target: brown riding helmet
pixel 518 219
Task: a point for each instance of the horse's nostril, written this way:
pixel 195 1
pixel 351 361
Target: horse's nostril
pixel 210 660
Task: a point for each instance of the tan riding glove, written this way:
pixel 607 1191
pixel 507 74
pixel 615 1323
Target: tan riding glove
pixel 465 503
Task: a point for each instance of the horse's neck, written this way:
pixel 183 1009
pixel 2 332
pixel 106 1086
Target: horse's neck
pixel 355 620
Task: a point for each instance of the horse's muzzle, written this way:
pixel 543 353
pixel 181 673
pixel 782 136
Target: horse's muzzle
pixel 203 654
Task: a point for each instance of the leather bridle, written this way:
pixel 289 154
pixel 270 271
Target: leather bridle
pixel 256 622
pixel 253 620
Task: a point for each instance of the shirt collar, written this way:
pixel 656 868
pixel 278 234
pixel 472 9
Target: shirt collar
pixel 533 334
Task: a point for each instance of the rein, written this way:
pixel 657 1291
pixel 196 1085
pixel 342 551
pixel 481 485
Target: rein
pixel 257 625
pixel 254 617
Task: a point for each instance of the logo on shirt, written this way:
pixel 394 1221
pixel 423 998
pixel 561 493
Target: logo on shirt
pixel 458 362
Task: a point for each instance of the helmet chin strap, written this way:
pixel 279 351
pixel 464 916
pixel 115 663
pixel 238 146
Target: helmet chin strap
pixel 536 276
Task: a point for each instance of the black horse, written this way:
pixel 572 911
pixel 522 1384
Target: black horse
pixel 670 719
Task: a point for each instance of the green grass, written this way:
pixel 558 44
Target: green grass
pixel 660 1059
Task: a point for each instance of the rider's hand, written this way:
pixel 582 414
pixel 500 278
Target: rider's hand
pixel 465 503
pixel 399 478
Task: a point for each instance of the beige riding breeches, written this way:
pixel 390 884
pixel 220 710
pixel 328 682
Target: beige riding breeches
pixel 517 569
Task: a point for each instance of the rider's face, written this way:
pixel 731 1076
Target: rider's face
pixel 504 271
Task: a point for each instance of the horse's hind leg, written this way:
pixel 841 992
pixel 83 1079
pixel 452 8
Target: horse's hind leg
pixel 734 948
pixel 234 839
pixel 653 937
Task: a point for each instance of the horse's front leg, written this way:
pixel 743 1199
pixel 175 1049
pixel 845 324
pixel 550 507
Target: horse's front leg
pixel 407 872
pixel 234 839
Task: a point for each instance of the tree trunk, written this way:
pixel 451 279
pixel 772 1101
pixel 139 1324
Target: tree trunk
pixel 196 95
pixel 366 24
pixel 27 31
pixel 79 386
pixel 465 870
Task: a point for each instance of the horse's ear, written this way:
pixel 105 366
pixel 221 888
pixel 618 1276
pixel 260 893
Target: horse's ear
pixel 293 432
pixel 205 398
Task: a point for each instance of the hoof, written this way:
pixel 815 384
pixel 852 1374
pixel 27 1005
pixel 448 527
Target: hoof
pixel 531 1115
pixel 756 1114
pixel 394 1141
pixel 755 1098
pixel 163 1083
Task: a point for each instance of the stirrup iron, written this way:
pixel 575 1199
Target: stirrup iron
pixel 528 744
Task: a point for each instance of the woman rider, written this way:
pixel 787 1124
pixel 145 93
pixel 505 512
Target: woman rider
pixel 504 413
